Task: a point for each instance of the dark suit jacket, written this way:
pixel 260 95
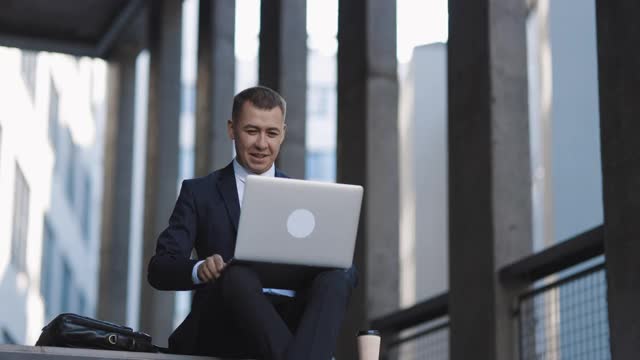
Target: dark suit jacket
pixel 205 217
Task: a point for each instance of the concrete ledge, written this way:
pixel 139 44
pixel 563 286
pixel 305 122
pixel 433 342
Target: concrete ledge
pixel 22 352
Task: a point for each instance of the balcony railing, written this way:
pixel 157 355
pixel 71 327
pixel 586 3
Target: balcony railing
pixel 561 315
pixel 419 332
pixel 566 318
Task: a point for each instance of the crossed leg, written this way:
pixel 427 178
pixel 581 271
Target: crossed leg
pixel 310 333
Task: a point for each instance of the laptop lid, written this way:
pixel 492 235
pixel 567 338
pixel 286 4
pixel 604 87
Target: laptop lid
pixel 298 222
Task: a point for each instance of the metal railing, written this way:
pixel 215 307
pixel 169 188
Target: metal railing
pixel 566 318
pixel 418 332
pixel 561 315
pixel 425 342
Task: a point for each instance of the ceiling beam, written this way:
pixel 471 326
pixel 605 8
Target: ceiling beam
pixel 75 48
pixel 124 18
pixel 99 49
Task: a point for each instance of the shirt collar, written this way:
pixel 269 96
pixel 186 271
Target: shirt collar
pixel 242 173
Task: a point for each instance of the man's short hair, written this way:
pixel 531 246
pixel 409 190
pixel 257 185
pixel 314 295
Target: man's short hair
pixel 261 97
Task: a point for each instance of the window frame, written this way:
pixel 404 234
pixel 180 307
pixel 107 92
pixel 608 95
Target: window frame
pixel 20 225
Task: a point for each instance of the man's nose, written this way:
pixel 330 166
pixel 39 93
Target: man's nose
pixel 261 141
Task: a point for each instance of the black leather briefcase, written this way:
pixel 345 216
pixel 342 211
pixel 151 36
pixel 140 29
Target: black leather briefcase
pixel 71 330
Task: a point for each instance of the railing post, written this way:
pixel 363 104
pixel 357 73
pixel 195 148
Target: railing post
pixel 161 176
pixel 489 172
pixel 215 84
pixel 118 175
pixel 283 67
pixel 367 153
pixel 618 68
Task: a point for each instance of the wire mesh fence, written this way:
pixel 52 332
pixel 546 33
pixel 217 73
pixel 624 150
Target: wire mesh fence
pixel 426 342
pixel 563 317
pixel 566 319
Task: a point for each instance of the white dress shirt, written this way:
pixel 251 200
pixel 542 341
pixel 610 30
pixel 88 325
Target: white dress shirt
pixel 241 177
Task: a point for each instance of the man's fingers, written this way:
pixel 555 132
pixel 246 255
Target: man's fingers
pixel 211 268
pixel 205 273
pixel 219 263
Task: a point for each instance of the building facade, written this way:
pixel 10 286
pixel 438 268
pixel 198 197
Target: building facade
pixel 50 182
pixel 423 175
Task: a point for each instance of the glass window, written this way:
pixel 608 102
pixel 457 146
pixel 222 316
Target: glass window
pixel 86 208
pixel 0 146
pixel 54 103
pixel 66 286
pixel 70 176
pixel 28 65
pixel 20 221
pixel 82 303
pixel 321 165
pixel 319 101
pixel 45 270
pixel 6 337
pixel 188 99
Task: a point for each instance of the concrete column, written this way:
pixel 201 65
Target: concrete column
pixel 618 63
pixel 215 84
pixel 283 67
pixel 489 173
pixel 367 153
pixel 161 178
pixel 118 175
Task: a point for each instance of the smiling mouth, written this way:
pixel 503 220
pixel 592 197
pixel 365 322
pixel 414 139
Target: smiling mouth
pixel 259 156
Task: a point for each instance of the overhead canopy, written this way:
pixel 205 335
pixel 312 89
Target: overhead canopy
pixel 81 28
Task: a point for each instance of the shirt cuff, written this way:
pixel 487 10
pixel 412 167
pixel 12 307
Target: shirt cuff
pixel 194 273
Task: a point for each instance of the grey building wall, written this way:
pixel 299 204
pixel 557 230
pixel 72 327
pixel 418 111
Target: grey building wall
pixel 423 164
pixel 577 178
pixel 53 134
pixel 576 164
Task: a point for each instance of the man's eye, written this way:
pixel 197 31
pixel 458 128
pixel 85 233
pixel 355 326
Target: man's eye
pixel 252 132
pixel 273 134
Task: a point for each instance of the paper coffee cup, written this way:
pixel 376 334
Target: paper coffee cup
pixel 368 345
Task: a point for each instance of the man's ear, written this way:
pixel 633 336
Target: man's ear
pixel 230 129
pixel 284 133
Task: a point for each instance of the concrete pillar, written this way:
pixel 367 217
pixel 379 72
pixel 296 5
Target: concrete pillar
pixel 367 153
pixel 161 177
pixel 489 173
pixel 215 84
pixel 118 176
pixel 283 67
pixel 618 63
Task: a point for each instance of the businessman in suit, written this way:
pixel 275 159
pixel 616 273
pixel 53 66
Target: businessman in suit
pixel 232 315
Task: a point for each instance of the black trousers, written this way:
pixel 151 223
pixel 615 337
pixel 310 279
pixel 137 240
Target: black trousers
pixel 243 322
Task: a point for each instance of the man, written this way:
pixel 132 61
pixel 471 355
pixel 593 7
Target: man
pixel 231 314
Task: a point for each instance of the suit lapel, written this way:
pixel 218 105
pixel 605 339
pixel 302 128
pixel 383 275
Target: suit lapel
pixel 229 191
pixel 280 174
pixel 227 187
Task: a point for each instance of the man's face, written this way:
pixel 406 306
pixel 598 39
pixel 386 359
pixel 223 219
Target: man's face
pixel 258 135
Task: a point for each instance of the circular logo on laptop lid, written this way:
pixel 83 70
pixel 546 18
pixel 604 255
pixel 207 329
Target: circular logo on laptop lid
pixel 301 223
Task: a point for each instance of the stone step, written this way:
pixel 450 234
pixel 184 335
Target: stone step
pixel 22 352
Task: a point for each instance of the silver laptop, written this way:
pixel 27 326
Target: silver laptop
pixel 296 222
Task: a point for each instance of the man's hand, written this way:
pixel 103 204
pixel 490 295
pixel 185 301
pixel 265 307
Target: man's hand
pixel 211 268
